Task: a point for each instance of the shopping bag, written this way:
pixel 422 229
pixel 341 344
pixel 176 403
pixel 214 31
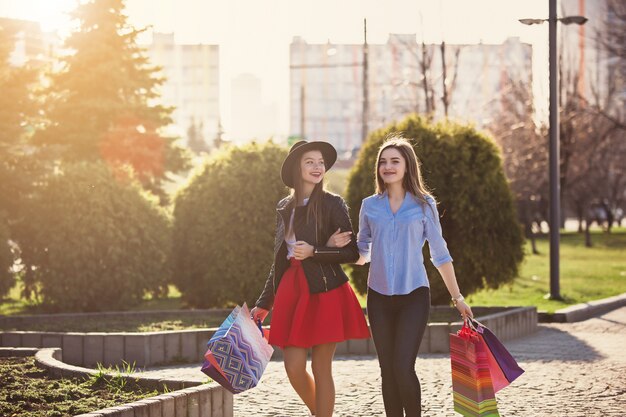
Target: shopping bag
pixel 504 369
pixel 238 352
pixel 472 388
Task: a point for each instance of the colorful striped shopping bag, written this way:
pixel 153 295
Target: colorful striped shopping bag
pixel 237 353
pixel 471 378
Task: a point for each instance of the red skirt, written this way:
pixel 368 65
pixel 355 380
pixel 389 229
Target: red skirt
pixel 302 319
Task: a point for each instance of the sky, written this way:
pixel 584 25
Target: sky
pixel 254 35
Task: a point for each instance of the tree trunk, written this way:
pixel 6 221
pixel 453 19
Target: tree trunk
pixel 587 234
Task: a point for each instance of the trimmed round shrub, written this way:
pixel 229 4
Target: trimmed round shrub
pixel 463 169
pixel 95 241
pixel 224 226
pixel 7 279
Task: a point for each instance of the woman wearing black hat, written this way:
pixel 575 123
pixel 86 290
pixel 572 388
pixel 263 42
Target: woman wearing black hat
pixel 314 305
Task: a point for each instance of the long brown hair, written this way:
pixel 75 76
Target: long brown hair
pixel 412 181
pixel 314 206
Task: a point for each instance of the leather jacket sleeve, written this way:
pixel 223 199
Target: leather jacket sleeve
pixel 339 219
pixel 266 299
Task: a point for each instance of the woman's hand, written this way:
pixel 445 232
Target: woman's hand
pixel 361 261
pixel 464 309
pixel 302 250
pixel 339 239
pixel 259 313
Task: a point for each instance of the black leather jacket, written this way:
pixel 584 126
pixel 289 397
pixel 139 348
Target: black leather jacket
pixel 323 271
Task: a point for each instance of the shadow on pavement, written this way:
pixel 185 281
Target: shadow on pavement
pixel 552 344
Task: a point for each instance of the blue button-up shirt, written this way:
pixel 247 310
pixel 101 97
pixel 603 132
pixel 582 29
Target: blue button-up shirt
pixel 393 242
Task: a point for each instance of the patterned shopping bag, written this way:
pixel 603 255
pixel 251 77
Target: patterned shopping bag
pixel 471 379
pixel 237 353
pixel 504 369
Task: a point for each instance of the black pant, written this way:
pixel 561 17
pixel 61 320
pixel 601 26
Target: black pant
pixel 398 323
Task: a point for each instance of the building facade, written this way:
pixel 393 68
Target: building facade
pixel 191 86
pixel 594 53
pixel 32 46
pixel 403 77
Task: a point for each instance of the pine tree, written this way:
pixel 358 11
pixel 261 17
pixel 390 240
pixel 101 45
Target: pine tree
pixel 17 108
pixel 103 103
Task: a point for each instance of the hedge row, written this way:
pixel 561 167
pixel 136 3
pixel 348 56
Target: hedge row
pixel 92 240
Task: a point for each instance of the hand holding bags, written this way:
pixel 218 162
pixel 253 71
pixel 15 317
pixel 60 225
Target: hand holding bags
pixel 473 351
pixel 237 353
pixel 471 378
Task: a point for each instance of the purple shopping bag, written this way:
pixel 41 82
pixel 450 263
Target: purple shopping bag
pixel 504 368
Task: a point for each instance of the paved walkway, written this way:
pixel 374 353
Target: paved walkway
pixel 572 370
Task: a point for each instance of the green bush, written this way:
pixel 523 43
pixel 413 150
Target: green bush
pixel 7 279
pixel 463 169
pixel 94 241
pixel 224 225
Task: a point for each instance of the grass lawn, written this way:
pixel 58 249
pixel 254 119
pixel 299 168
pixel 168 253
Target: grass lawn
pixel 586 274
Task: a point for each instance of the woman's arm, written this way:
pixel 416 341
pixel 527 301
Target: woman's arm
pixel 364 239
pixel 440 257
pixel 339 219
pixel 446 271
pixel 266 300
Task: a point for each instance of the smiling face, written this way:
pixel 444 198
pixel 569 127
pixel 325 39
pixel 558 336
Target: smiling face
pixel 312 167
pixel 391 166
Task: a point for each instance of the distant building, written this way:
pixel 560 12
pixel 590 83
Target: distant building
pixel 191 86
pixel 600 71
pixel 327 84
pixel 32 45
pixel 250 117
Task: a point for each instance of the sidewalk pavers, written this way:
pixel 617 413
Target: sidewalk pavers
pixel 572 370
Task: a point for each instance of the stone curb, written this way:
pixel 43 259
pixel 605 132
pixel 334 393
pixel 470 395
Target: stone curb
pixel 583 311
pixel 189 398
pixel 158 348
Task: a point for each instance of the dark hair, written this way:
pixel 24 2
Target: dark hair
pixel 314 206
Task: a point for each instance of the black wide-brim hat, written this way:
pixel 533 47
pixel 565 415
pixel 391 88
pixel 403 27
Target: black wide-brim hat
pixel 298 149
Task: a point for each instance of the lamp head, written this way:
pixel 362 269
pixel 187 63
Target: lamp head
pixel 568 20
pixel 532 21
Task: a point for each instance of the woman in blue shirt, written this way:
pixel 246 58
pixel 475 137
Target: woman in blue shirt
pixel 394 223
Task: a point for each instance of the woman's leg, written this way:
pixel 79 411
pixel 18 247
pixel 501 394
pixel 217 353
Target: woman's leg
pixel 381 315
pixel 322 365
pixel 411 321
pixel 301 380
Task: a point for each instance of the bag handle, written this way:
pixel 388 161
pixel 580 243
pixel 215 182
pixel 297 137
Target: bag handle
pixel 476 325
pixel 260 326
pixel 468 330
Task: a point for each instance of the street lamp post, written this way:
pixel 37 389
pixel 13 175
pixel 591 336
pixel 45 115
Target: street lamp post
pixel 554 160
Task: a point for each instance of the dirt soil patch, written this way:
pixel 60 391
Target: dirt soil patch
pixel 27 391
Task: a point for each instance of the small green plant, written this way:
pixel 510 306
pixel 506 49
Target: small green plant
pixel 100 376
pixel 114 378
